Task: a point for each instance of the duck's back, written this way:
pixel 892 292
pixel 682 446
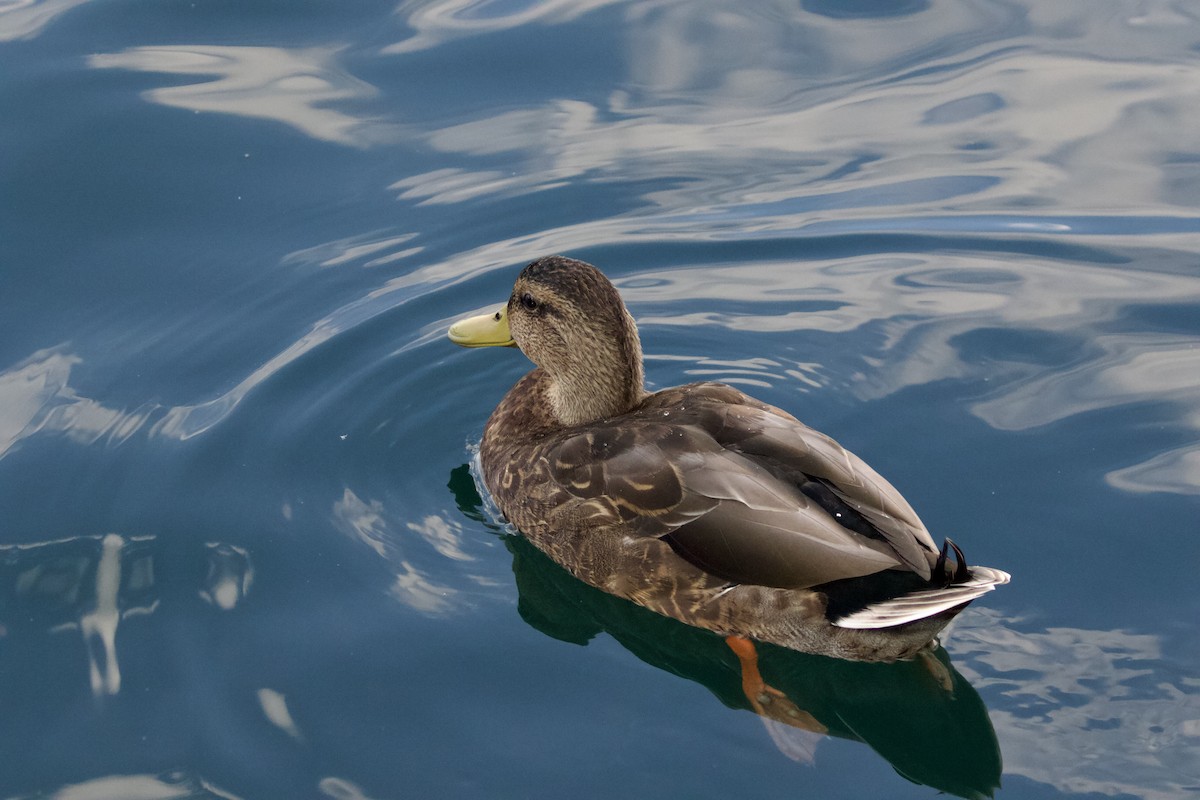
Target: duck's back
pixel 732 485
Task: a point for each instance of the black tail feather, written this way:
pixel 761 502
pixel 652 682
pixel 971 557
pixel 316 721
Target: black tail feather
pixel 962 572
pixel 939 567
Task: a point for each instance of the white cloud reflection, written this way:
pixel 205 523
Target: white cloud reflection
pixel 456 185
pixel 1005 106
pixel 35 398
pixel 1176 471
pixel 365 522
pixel 437 22
pixel 1095 142
pixel 443 535
pixel 1085 711
pixel 370 250
pixel 275 709
pixel 25 19
pixel 171 786
pixel 294 86
pixel 341 789
pixel 1133 367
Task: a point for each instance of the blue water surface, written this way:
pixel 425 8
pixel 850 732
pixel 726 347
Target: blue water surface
pixel 242 554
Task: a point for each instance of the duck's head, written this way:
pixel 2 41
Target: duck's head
pixel 570 321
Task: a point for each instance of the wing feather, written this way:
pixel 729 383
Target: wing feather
pixel 775 438
pixel 719 508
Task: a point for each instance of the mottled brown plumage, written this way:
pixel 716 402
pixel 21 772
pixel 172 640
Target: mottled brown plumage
pixel 699 502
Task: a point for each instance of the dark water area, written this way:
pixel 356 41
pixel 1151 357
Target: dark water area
pixel 241 551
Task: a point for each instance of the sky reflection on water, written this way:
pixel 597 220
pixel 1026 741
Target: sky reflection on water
pixel 959 235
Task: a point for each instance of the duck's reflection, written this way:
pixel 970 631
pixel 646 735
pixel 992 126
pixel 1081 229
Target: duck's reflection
pixel 94 583
pixel 920 715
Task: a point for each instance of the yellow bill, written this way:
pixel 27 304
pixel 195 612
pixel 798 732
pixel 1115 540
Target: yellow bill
pixel 485 330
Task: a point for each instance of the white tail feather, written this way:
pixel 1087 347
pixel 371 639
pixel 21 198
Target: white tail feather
pixel 925 603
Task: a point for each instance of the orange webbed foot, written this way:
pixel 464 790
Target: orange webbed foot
pixel 766 700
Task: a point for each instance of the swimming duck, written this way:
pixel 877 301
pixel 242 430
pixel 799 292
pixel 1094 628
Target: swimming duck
pixel 700 502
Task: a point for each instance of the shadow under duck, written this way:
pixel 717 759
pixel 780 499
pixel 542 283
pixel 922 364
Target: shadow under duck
pixel 700 502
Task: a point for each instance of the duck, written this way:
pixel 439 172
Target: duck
pixel 700 502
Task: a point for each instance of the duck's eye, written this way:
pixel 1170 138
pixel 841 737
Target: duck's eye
pixel 528 302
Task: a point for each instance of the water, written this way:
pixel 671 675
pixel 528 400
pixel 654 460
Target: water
pixel 240 552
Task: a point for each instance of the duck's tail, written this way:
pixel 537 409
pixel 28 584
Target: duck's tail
pixel 962 585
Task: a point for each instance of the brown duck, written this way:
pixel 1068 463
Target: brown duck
pixel 699 502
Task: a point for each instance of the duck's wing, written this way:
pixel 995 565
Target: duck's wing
pixel 816 462
pixel 810 460
pixel 718 508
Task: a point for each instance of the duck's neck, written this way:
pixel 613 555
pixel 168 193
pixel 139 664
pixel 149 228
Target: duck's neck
pixel 606 385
